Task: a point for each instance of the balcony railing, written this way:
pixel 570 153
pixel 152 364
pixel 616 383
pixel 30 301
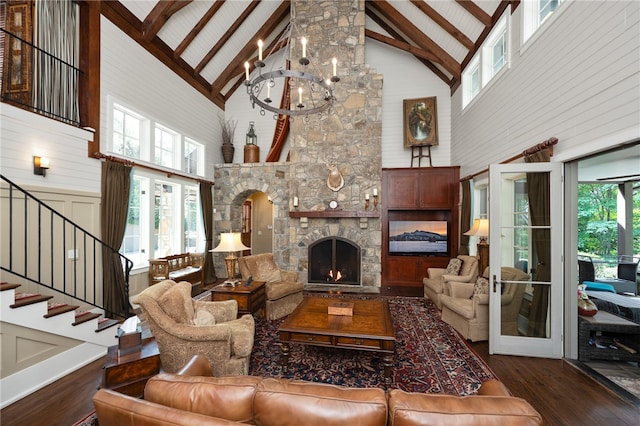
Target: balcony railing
pixel 38 81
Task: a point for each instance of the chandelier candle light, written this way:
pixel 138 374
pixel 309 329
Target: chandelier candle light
pixel 312 88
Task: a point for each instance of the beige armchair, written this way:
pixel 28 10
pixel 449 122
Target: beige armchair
pixel 437 277
pixel 465 306
pixel 184 327
pixel 282 289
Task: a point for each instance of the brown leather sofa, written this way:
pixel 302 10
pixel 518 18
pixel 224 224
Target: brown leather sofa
pixel 192 397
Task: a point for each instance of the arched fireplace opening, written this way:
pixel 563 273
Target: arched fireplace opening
pixel 334 260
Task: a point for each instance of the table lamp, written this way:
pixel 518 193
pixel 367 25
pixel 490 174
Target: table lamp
pixel 480 229
pixel 230 242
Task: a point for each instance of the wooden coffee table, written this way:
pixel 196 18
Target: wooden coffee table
pixel 250 299
pixel 369 329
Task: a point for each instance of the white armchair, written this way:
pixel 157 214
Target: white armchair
pixel 437 277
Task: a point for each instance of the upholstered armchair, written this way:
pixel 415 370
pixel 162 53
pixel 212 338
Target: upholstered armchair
pixel 282 288
pixel 184 327
pixel 461 269
pixel 465 306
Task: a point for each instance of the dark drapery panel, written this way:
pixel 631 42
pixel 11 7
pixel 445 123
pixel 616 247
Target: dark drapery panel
pixel 116 179
pixel 539 215
pixel 206 203
pixel 465 216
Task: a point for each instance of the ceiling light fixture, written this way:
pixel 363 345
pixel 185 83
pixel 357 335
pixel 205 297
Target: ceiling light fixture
pixel 314 92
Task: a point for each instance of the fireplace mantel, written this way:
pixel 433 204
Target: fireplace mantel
pixel 334 214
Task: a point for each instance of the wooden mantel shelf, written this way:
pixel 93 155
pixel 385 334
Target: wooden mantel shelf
pixel 334 214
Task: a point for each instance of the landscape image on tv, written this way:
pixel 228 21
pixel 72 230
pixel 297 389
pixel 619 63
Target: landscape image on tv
pixel 418 237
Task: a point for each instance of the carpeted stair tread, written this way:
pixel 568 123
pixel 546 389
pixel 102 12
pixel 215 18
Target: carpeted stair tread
pixel 61 308
pixel 8 286
pixel 30 300
pixel 106 323
pixel 84 316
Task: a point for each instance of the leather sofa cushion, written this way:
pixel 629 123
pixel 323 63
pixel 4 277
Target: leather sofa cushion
pixel 117 409
pixel 229 397
pixel 282 402
pixel 412 409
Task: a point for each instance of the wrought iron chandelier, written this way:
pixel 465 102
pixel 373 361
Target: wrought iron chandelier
pixel 314 92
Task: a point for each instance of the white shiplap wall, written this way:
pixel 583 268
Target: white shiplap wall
pixel 577 79
pixel 132 76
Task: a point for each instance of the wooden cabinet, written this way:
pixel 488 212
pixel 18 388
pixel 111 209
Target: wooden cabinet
pixel 129 374
pixel 418 194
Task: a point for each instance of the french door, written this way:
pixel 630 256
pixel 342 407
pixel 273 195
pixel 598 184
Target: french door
pixel 525 217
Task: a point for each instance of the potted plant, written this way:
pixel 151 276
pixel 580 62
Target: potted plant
pixel 228 128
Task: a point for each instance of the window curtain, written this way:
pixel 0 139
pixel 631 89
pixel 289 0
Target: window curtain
pixel 206 204
pixel 56 33
pixel 539 215
pixel 114 207
pixel 465 216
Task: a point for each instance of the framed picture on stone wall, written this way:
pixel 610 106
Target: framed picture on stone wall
pixel 420 122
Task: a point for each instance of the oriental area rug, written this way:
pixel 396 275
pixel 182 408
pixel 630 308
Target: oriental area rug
pixel 430 355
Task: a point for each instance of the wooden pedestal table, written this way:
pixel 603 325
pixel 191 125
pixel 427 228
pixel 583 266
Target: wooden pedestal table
pixel 128 374
pixel 369 329
pixel 250 298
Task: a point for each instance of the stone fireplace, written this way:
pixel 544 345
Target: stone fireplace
pixel 348 136
pixel 334 260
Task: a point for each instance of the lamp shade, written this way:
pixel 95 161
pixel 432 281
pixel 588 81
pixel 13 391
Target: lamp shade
pixel 230 241
pixel 480 228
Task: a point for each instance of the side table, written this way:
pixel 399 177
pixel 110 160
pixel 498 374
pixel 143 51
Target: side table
pixel 250 299
pixel 128 374
pixel 605 326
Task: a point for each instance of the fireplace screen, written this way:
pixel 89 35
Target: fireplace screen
pixel 334 260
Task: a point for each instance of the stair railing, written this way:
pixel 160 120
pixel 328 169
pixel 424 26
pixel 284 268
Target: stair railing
pixel 42 246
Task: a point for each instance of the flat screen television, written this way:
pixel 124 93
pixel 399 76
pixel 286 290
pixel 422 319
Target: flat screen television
pixel 418 237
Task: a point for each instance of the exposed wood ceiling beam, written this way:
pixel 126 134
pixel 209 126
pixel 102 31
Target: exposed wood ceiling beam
pixel 476 11
pixel 236 65
pixel 441 21
pixel 198 27
pixel 415 35
pixel 159 15
pixel 395 34
pixel 227 35
pixel 127 22
pixel 415 51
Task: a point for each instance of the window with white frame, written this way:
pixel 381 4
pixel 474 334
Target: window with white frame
pixel 488 62
pixel 535 13
pixel 164 218
pixel 164 215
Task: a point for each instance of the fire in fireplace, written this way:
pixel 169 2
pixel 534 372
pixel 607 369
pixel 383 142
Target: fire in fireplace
pixel 334 260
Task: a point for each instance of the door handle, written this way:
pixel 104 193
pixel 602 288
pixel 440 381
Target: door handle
pixel 495 283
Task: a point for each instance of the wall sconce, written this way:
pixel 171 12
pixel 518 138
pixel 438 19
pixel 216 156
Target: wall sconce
pixel 295 202
pixel 40 165
pixel 269 199
pixel 375 198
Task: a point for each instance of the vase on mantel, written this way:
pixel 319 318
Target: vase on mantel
pixel 227 152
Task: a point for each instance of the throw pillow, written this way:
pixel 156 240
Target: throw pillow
pixel 481 286
pixel 453 268
pixel 203 318
pixel 176 302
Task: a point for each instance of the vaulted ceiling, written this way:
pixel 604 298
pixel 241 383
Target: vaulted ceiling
pixel 206 42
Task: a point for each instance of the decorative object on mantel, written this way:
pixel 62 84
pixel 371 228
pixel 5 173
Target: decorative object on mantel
pixel 375 198
pixel 335 181
pixel 311 86
pixel 480 229
pixel 251 148
pixel 228 129
pixel 366 201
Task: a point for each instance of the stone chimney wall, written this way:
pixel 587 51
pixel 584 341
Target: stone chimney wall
pixel 348 136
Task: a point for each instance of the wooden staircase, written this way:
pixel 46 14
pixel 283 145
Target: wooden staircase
pixel 93 332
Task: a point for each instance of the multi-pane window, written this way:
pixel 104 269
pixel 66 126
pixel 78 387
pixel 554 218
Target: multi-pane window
pixel 489 61
pixel 164 215
pixel 535 13
pixel 127 132
pixel 521 225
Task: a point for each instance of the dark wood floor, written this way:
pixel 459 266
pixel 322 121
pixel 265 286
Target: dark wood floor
pixel 562 393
